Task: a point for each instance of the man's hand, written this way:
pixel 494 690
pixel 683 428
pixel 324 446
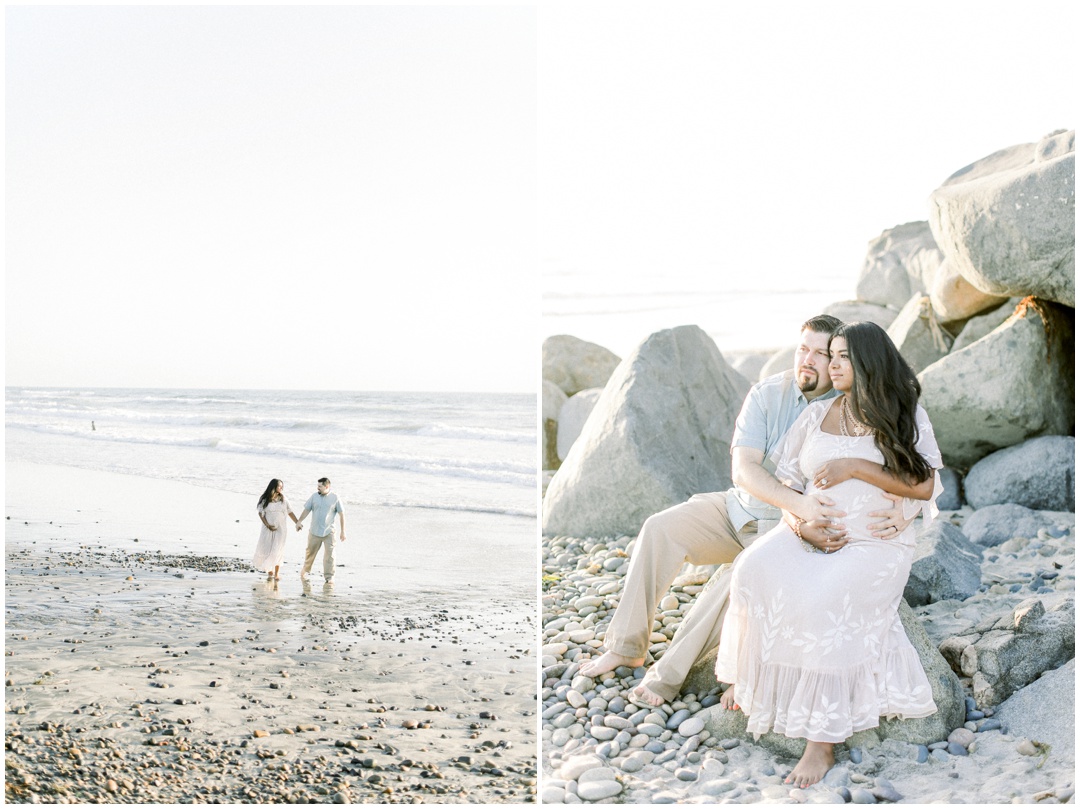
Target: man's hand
pixel 343 536
pixel 299 525
pixel 817 507
pixel 825 535
pixel 893 522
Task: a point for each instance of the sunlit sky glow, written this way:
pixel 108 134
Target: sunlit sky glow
pixel 271 197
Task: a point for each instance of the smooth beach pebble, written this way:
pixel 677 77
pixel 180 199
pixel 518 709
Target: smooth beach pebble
pixel 598 790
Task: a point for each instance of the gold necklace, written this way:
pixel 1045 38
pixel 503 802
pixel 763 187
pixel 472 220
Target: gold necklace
pixel 858 429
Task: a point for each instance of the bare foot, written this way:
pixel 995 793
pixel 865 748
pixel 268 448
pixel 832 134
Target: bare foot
pixel 609 661
pixel 816 760
pixel 727 700
pixel 645 695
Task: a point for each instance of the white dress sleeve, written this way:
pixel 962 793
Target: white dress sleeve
pixel 925 445
pixel 788 469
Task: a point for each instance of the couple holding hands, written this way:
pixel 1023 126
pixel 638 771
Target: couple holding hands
pixel 273 507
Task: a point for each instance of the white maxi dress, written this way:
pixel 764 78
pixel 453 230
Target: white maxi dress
pixel 270 551
pixel 813 642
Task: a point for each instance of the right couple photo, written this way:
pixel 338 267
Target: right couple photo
pixel 808 489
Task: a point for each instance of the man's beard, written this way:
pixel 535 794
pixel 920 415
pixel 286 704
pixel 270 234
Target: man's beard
pixel 810 382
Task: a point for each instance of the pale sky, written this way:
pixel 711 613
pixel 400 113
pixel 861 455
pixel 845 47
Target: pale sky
pixel 364 197
pixel 271 197
pixel 763 145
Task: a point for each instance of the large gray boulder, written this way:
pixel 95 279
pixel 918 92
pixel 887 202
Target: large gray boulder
pixel 954 298
pixel 779 362
pixel 1020 648
pixel 660 433
pixel 918 335
pixel 551 405
pixel 898 264
pixel 945 687
pixel 1045 712
pixel 996 524
pixel 979 326
pixel 573 416
pixel 852 311
pixel 946 565
pixel 1009 226
pixel 575 364
pixel 1016 383
pixel 950 498
pixel 1039 473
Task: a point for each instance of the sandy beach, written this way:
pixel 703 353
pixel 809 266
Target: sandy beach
pixel 141 669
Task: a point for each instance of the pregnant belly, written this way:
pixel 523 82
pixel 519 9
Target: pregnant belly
pixel 857 499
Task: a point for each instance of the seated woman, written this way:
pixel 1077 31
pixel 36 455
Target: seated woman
pixel 812 641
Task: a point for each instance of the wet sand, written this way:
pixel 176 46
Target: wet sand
pixel 161 676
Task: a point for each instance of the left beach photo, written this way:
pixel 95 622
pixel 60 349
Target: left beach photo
pixel 270 436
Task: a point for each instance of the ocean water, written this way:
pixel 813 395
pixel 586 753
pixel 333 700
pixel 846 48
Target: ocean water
pixel 433 484
pixel 756 309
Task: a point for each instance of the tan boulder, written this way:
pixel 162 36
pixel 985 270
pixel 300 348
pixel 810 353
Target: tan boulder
pixel 955 298
pixel 574 364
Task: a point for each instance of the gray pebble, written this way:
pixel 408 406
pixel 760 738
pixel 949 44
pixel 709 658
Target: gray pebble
pixel 988 724
pixel 862 796
pixel 729 744
pixel 664 757
pixel 665 797
pixel 939 755
pixel 957 749
pixel 598 790
pixel 686 774
pixel 856 755
pixel 677 719
pixel 923 754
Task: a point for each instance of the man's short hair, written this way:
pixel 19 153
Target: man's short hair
pixel 324 481
pixel 822 324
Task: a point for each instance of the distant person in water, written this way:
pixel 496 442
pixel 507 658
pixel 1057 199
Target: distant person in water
pixel 272 509
pixel 92 427
pixel 322 506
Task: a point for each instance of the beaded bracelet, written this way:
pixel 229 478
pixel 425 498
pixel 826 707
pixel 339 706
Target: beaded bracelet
pixel 799 522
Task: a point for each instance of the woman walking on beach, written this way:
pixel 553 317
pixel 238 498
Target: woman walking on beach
pixel 812 640
pixel 272 509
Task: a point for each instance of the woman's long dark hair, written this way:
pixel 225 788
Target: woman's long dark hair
pixel 269 493
pixel 884 395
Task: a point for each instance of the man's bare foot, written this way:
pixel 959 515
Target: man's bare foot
pixel 643 694
pixel 816 760
pixel 609 661
pixel 727 700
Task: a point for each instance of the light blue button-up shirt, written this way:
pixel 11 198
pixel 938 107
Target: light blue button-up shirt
pixel 771 407
pixel 323 507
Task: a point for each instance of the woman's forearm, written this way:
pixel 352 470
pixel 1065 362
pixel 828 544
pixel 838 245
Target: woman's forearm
pixel 876 474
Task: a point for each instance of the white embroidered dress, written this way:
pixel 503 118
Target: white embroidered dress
pixel 812 641
pixel 270 550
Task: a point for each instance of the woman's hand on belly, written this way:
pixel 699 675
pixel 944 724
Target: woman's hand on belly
pixel 836 471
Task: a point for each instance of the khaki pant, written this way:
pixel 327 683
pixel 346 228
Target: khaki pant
pixel 313 545
pixel 697 531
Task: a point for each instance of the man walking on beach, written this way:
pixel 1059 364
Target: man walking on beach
pixel 712 528
pixel 322 506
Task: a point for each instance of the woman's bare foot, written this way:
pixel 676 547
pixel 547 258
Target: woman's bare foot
pixel 816 760
pixel 645 695
pixel 727 700
pixel 609 661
